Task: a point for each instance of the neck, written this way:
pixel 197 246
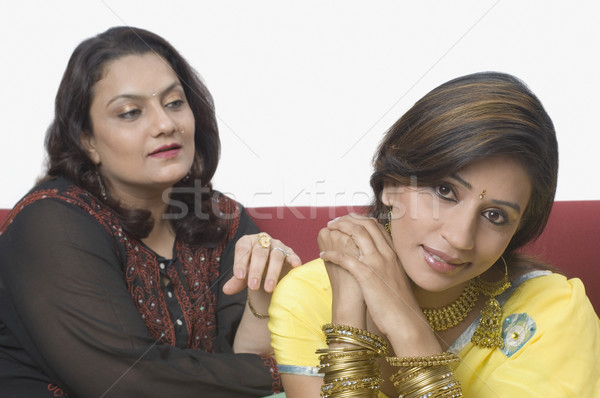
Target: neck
pixel 152 201
pixel 428 299
pixel 161 238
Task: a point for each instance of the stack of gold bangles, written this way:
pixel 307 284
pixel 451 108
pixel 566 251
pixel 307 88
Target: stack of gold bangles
pixel 351 371
pixel 426 376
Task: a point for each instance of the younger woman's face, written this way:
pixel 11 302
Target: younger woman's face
pixel 454 231
pixel 142 135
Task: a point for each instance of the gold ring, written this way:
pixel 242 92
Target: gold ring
pixel 264 240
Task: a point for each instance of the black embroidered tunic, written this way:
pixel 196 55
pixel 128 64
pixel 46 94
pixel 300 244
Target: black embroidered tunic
pixel 89 311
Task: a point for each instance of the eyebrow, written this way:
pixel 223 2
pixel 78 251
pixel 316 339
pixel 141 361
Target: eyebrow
pixel 515 206
pixel 136 96
pixel 460 179
pixel 509 204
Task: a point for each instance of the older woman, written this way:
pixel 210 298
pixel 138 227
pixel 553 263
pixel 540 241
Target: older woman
pixel 116 270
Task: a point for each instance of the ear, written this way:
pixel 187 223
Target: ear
pixel 88 142
pixel 388 193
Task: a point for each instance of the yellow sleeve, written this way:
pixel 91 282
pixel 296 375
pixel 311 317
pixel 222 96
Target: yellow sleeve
pixel 300 304
pixel 552 346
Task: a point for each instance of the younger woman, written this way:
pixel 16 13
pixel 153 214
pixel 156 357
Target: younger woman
pixel 462 181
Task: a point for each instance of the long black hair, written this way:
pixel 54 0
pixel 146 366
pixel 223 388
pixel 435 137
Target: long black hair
pixel 67 157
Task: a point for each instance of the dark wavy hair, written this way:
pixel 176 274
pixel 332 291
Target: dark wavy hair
pixel 465 120
pixel 67 157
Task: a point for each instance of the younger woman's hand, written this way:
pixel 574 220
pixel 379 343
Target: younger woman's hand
pixel 376 269
pixel 348 305
pixel 255 264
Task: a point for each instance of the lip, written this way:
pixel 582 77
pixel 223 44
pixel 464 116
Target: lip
pixel 165 151
pixel 440 261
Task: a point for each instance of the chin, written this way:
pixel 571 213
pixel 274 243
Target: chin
pixel 171 178
pixel 434 282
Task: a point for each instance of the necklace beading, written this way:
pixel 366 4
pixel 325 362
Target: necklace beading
pixel 488 333
pixel 452 314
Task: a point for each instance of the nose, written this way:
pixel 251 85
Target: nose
pixel 460 228
pixel 162 122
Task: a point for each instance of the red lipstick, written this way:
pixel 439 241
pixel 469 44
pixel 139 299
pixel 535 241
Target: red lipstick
pixel 166 151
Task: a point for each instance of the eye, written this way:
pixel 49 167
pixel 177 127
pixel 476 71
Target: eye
pixel 175 104
pixel 444 191
pixel 132 114
pixel 496 217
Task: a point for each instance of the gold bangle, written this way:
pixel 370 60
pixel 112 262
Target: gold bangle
pixel 431 381
pixel 253 310
pixel 349 334
pixel 443 358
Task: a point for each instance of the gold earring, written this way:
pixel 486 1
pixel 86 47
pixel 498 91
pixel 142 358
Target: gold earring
pixel 102 189
pixel 489 330
pixel 388 224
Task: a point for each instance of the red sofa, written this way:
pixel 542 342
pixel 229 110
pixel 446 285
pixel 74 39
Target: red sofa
pixel 570 242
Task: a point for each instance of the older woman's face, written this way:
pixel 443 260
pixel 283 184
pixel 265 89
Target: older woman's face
pixel 143 127
pixel 454 231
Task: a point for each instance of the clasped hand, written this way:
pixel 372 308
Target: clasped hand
pixel 365 273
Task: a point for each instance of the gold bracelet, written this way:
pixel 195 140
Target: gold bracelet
pixel 431 381
pixel 349 334
pixel 350 371
pixel 444 358
pixel 348 354
pixel 253 310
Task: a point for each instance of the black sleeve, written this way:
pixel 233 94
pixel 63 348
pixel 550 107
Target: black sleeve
pixel 68 305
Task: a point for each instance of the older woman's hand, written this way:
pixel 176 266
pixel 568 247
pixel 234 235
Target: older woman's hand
pixel 260 259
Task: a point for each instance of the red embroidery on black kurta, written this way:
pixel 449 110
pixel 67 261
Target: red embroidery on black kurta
pixel 140 266
pixel 200 268
pixel 56 391
pixel 270 363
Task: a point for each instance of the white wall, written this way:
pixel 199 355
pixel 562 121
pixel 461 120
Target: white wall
pixel 304 90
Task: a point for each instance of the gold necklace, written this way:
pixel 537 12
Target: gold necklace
pixel 454 313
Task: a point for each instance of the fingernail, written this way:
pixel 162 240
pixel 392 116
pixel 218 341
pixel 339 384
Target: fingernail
pixel 269 285
pixel 254 284
pixel 239 274
pixel 321 254
pixel 332 221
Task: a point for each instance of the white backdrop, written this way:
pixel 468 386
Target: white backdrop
pixel 304 90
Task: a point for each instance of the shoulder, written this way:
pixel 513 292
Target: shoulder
pixel 548 325
pixel 551 309
pixel 547 293
pixel 233 217
pixel 55 203
pixel 554 302
pixel 228 210
pixel 225 203
pixel 302 297
pixel 304 284
pixel 300 305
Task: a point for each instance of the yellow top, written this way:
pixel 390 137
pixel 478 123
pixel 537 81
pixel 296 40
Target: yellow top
pixel 551 334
